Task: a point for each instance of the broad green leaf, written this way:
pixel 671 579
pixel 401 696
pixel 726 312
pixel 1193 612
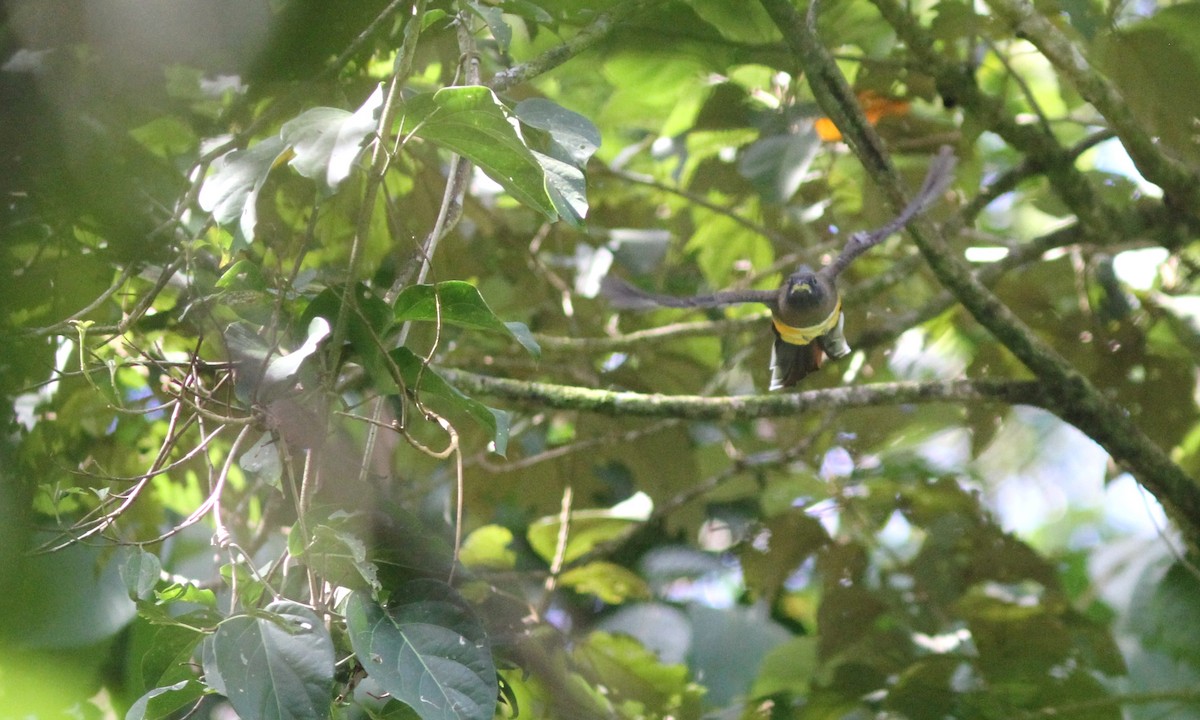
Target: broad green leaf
pixel 262 460
pixel 1151 62
pixel 276 665
pixel 728 647
pixel 231 189
pixel 567 188
pixel 459 303
pixel 422 379
pixel 494 17
pixel 778 164
pixel 186 592
pixel 488 547
pixel 427 649
pixel 165 702
pixel 609 582
pixel 471 121
pixel 327 141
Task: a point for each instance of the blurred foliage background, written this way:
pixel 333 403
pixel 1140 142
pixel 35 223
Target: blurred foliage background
pixel 316 408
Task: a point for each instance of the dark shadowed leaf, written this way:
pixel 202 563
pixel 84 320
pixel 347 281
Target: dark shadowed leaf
pixel 277 665
pixel 427 649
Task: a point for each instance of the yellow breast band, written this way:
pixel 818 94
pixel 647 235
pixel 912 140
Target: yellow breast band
pixel 805 335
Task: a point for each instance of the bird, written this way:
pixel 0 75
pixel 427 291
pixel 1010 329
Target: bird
pixel 806 310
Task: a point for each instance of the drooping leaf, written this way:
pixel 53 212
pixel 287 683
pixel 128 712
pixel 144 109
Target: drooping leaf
pixel 427 649
pixel 420 378
pixel 367 326
pixel 277 665
pixel 327 141
pixel 231 190
pixel 471 121
pixel 458 303
pixel 571 140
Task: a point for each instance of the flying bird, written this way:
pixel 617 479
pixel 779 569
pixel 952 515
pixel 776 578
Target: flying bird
pixel 806 311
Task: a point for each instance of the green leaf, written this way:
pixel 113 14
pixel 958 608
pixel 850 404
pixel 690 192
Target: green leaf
pixel 428 650
pixel 140 571
pixel 488 547
pixel 367 327
pixel 572 140
pixel 275 665
pixel 422 379
pixel 607 581
pixel 166 136
pixel 327 141
pixel 634 676
pixel 494 17
pixel 165 702
pixel 231 190
pixel 459 303
pixel 588 529
pixel 336 553
pixel 471 121
pixel 281 371
pixel 788 667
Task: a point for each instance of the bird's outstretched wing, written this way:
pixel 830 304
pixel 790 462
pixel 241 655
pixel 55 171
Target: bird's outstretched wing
pixel 624 296
pixel 941 173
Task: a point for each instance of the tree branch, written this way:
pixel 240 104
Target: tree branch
pixel 748 407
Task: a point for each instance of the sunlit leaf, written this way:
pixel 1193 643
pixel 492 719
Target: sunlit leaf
pixel 471 121
pixel 488 547
pixel 327 141
pixel 608 582
pixel 231 190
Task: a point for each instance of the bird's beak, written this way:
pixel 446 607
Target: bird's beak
pixel 801 288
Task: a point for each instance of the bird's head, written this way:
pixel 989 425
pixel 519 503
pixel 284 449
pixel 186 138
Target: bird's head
pixel 803 289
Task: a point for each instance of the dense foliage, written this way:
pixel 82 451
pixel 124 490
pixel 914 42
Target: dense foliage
pixel 317 409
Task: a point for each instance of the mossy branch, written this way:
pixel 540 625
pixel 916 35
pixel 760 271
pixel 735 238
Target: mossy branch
pixel 747 407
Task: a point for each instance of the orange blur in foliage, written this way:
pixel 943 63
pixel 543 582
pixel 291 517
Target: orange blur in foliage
pixel 875 107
